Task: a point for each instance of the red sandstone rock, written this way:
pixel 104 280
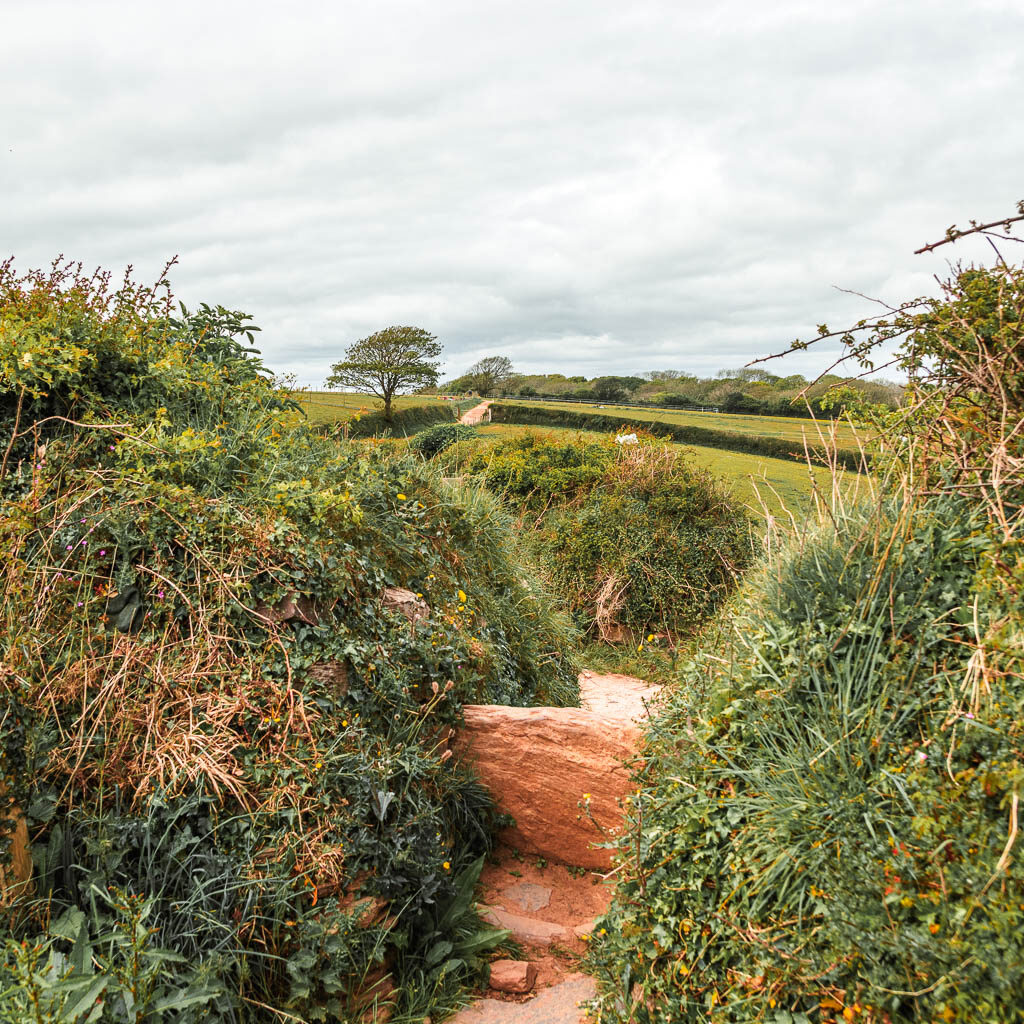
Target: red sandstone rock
pixel 558 771
pixel 516 976
pixel 530 931
pixel 16 879
pixel 559 1004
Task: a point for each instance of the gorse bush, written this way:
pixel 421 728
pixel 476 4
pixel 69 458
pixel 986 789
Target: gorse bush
pixel 827 825
pixel 211 708
pixel 634 538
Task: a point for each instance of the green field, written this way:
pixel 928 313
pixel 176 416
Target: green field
pixel 761 482
pixel 790 428
pixel 778 485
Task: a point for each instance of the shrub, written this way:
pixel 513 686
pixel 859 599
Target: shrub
pixel 206 706
pixel 827 825
pixel 634 538
pixel 433 440
pixel 822 819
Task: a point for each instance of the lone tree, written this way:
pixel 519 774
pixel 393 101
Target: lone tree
pixel 490 374
pixel 388 363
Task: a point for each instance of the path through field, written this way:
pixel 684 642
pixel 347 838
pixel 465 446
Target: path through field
pixel 560 773
pixel 477 414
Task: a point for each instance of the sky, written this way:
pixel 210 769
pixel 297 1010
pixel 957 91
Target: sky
pixel 587 187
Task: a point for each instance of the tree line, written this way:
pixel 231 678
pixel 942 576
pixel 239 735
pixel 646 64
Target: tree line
pixel 399 360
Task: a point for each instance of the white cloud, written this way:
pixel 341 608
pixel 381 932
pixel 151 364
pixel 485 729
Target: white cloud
pixel 586 186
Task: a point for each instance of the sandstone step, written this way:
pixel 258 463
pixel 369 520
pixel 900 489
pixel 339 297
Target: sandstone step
pixel 560 772
pixel 559 1004
pixel 530 931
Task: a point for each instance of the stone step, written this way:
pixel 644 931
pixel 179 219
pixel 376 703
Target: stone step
pixel 530 931
pixel 560 772
pixel 559 1004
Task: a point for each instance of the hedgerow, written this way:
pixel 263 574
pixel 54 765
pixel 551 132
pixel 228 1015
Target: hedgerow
pixel 229 743
pixel 727 440
pixel 828 815
pixel 634 538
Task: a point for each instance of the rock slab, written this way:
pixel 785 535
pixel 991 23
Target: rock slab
pixel 528 896
pixel 559 1004
pixel 515 976
pixel 560 771
pixel 528 930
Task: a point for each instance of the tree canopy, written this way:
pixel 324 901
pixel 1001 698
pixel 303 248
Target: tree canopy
pixel 388 363
pixel 490 374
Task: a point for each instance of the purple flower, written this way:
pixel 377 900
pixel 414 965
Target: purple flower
pixel 69 547
pixel 160 593
pixel 970 714
pixel 79 605
pixel 103 552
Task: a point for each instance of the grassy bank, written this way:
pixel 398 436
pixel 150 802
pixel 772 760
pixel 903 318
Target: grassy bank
pixel 827 822
pixel 231 652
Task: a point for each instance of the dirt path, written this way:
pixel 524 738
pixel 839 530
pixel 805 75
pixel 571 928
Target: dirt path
pixel 548 905
pixel 477 414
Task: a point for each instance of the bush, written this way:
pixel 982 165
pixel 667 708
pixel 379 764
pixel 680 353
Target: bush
pixel 828 835
pixel 827 825
pixel 433 440
pixel 207 708
pixel 634 538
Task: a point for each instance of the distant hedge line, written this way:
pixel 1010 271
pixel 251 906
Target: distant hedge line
pixel 756 444
pixel 404 422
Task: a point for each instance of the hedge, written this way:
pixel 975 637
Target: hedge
pixel 755 444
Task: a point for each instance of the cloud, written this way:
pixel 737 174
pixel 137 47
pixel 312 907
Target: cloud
pixel 586 187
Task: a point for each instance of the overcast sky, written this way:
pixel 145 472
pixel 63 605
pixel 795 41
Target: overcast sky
pixel 585 186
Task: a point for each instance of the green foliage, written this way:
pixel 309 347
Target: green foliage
pixel 758 444
pixel 206 702
pixel 403 422
pixel 634 537
pixel 433 440
pixel 388 363
pixel 827 826
pixel 537 471
pixel 829 836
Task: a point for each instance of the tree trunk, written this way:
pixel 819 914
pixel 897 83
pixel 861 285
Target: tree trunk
pixel 387 407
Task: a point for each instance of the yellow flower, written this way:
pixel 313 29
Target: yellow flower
pixel 344 722
pixel 933 928
pixel 446 866
pixel 400 496
pixel 650 637
pixel 641 647
pixel 318 765
pixel 586 796
pixel 462 597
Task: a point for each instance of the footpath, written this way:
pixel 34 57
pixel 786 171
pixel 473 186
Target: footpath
pixel 562 773
pixel 476 415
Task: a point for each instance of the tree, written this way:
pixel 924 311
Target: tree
pixel 611 389
pixel 490 374
pixel 389 362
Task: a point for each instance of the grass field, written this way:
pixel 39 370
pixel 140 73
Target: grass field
pixel 337 406
pixel 791 428
pixel 782 485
